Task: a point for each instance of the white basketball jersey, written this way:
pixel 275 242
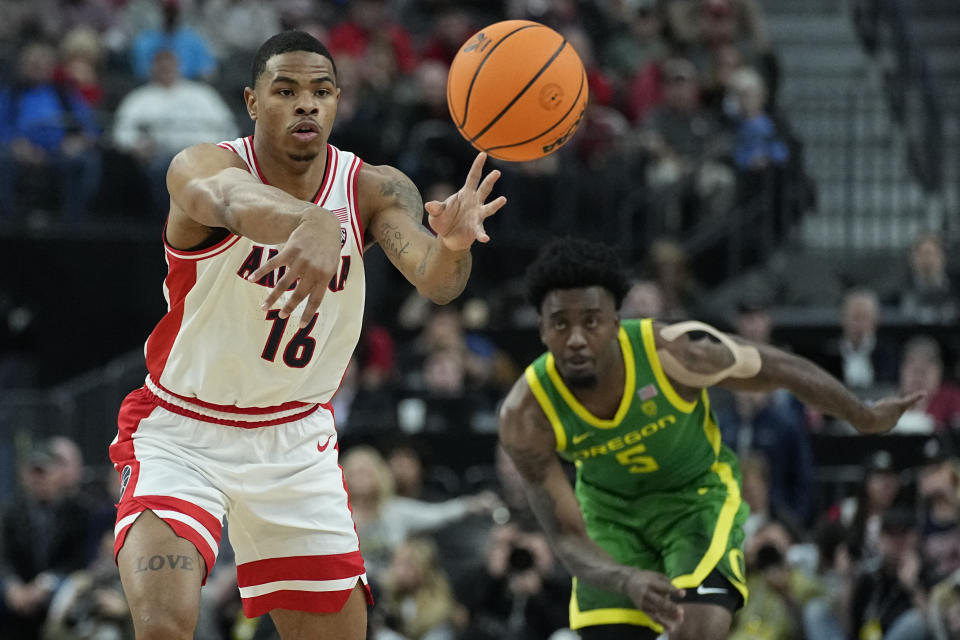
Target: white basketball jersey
pixel 217 347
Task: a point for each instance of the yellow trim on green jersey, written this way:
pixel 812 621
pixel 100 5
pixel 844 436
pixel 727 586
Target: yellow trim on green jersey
pixel 628 388
pixel 650 345
pixel 580 619
pixel 740 582
pixel 548 409
pixel 710 427
pixel 721 533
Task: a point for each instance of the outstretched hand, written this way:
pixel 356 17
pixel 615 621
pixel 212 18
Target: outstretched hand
pixel 458 220
pixel 653 594
pixel 883 415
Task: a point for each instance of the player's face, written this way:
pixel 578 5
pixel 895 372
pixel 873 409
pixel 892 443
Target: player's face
pixel 579 327
pixel 295 103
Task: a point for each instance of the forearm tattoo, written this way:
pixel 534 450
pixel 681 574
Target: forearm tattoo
pixel 392 240
pixel 456 278
pixel 406 196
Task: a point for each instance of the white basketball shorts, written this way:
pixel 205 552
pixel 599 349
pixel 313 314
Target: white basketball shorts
pixel 273 473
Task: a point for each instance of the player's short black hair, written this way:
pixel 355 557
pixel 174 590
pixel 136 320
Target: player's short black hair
pixel 285 42
pixel 573 263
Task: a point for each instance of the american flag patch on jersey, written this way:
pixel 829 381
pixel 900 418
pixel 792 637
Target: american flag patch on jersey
pixel 647 392
pixel 343 216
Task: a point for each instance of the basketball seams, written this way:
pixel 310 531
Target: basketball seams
pixel 466 104
pixel 519 95
pixel 573 105
pixel 524 86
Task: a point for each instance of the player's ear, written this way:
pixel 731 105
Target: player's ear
pixel 540 328
pixel 250 98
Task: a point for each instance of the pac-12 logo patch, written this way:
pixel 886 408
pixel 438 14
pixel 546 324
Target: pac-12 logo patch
pixel 343 236
pixel 125 478
pixel 480 43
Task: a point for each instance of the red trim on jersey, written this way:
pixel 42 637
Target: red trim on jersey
pixel 200 254
pixel 243 424
pixel 227 145
pixel 139 504
pixel 352 179
pixel 248 143
pixel 181 277
pixel 229 408
pixel 332 567
pixel 328 176
pixel 311 601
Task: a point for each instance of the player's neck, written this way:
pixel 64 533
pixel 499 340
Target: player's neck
pixel 301 179
pixel 603 398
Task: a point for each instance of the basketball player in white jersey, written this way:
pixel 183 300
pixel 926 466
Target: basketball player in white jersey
pixel 265 242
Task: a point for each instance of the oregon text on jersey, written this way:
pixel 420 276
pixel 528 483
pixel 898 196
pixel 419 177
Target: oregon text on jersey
pixel 618 443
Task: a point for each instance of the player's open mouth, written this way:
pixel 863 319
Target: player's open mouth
pixel 305 131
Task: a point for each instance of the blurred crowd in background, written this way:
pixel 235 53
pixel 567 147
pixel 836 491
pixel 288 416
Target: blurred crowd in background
pixel 96 96
pixel 100 94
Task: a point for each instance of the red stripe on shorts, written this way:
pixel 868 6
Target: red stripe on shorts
pixel 139 504
pixel 135 407
pixel 169 503
pixel 331 567
pixel 311 601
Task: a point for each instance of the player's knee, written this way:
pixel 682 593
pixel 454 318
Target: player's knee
pixel 164 624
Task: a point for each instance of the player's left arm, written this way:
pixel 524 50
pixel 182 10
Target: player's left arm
pixel 438 266
pixel 697 361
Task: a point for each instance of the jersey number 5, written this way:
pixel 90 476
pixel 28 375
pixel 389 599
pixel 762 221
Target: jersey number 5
pixel 638 464
pixel 300 348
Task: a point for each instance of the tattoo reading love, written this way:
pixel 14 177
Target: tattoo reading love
pixel 158 562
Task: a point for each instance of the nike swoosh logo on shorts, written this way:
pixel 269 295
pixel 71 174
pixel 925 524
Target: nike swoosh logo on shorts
pixel 325 444
pixel 707 591
pixel 577 439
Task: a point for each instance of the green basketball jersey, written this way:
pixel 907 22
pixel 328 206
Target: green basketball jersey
pixel 656 442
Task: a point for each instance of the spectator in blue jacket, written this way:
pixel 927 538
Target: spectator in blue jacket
pixel 758 144
pixel 193 51
pixel 46 130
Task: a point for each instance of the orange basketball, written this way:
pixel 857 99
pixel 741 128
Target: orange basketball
pixel 517 90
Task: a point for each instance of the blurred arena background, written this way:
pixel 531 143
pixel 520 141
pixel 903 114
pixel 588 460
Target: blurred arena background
pixel 785 169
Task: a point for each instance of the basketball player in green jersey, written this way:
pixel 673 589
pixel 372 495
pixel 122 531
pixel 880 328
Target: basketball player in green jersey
pixel 652 532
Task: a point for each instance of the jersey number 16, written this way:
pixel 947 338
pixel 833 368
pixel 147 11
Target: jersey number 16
pixel 300 348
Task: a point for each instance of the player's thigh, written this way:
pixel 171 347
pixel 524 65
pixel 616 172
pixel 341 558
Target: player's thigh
pixel 618 632
pixel 702 621
pixel 161 574
pixel 350 623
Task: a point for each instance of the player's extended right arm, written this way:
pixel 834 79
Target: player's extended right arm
pixel 210 187
pixel 529 440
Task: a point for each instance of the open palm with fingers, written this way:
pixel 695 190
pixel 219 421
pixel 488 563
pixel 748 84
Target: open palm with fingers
pixel 458 220
pixel 884 414
pixel 310 257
